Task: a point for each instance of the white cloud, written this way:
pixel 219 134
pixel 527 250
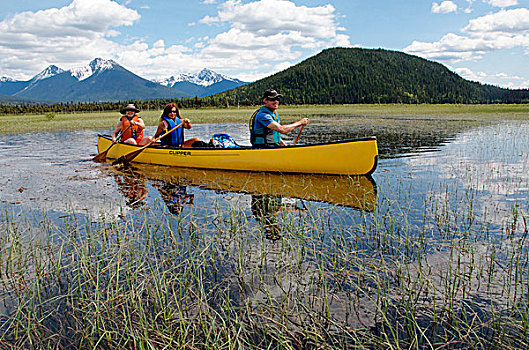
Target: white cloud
pixel 444 7
pixel 253 38
pixel 503 30
pixel 468 74
pixel 502 3
pixel 72 35
pixel 509 21
pixel 469 8
pixel 499 79
pixel 318 22
pixel 66 36
pixel 80 18
pixel 282 66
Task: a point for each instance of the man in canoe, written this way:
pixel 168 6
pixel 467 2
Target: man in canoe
pixel 265 125
pixel 131 127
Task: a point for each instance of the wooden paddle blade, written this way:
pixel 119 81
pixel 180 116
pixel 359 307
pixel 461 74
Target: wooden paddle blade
pixel 101 157
pixel 127 158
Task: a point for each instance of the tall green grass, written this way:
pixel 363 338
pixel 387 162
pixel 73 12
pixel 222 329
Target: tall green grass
pixel 213 280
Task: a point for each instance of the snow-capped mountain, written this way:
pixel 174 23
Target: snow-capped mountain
pixel 49 72
pixel 205 77
pixel 106 80
pixel 96 66
pixel 204 83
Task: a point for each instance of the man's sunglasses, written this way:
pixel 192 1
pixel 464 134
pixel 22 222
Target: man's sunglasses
pixel 273 99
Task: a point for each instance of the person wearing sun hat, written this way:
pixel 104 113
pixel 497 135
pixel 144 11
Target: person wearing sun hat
pixel 131 127
pixel 265 125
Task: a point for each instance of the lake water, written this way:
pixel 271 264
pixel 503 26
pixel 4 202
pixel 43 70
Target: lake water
pixel 441 225
pixel 482 166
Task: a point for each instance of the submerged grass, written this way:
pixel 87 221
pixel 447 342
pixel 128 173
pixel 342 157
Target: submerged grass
pixel 214 281
pixel 107 120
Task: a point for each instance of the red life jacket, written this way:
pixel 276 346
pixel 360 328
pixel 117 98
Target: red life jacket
pixel 134 131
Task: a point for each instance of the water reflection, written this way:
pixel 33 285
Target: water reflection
pixel 266 208
pixel 46 176
pixel 397 136
pixel 271 195
pixel 174 195
pixel 358 192
pixel 132 186
pixel 37 176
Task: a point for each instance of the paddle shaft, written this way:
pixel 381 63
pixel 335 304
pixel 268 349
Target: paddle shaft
pixel 103 155
pixel 299 134
pixel 127 158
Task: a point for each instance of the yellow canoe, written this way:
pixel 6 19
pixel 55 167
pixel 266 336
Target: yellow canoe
pixel 350 157
pixel 358 192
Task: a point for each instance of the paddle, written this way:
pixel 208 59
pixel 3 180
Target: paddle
pixel 101 157
pixel 299 134
pixel 127 158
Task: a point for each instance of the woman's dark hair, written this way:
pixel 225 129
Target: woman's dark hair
pixel 168 109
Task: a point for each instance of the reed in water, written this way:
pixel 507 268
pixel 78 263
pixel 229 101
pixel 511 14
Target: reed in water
pixel 215 278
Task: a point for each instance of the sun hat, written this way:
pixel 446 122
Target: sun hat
pixel 129 107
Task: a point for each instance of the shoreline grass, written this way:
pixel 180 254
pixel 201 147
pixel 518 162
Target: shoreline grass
pixel 10 124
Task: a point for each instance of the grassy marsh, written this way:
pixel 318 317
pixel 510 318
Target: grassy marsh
pixel 102 120
pixel 406 276
pixel 213 281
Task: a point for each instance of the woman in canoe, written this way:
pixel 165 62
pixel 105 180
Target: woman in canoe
pixel 169 119
pixel 131 127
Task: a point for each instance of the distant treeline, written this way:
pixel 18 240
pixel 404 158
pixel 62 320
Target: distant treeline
pixel 90 107
pixel 334 76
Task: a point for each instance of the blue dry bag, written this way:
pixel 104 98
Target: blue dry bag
pixel 223 140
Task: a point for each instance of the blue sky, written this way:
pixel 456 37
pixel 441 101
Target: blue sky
pixel 482 40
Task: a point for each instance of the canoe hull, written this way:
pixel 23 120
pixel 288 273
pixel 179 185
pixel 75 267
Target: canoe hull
pixel 353 157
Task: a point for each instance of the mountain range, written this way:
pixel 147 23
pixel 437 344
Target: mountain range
pixel 106 80
pixel 333 76
pixel 204 83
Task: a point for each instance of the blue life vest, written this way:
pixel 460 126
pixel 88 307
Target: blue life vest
pixel 175 138
pixel 264 135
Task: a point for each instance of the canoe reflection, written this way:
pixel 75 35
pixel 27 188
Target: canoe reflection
pixel 133 187
pixel 358 192
pixel 173 194
pixel 265 209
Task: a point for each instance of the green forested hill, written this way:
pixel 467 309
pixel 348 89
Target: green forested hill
pixel 355 75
